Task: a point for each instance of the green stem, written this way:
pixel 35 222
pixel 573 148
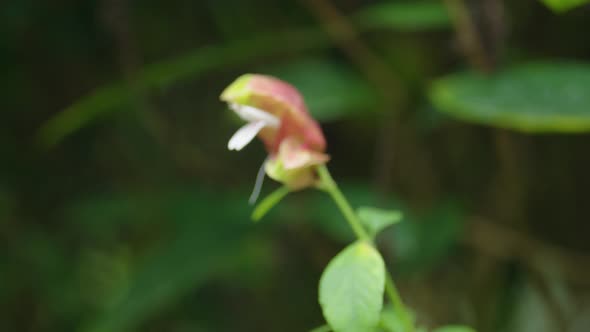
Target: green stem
pixel 398 304
pixel 328 184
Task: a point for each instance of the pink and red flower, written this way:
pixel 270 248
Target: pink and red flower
pixel 275 111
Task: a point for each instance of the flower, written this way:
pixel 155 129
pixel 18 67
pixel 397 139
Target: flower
pixel 275 111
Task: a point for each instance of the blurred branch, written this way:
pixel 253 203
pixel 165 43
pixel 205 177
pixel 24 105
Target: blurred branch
pixel 116 18
pixel 507 244
pixel 341 30
pixel 510 191
pixel 495 18
pixel 468 35
pixel 377 71
pixel 162 74
pixel 555 309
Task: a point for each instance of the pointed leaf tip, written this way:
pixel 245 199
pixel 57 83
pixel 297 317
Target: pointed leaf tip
pixel 377 220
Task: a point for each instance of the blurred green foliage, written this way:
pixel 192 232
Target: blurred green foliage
pixel 121 210
pixel 541 97
pixel 406 16
pixel 563 5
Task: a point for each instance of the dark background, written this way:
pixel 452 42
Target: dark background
pixel 121 208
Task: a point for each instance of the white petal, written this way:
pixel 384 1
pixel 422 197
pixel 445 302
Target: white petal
pixel 251 114
pixel 245 135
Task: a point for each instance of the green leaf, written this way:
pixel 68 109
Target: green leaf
pixel 560 6
pixel 351 288
pixel 268 202
pixel 378 219
pixel 539 97
pixel 408 16
pixel 454 328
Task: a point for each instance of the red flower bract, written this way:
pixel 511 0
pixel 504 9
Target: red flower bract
pixel 275 112
pixel 282 100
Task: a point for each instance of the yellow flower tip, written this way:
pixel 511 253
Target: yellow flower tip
pixel 238 91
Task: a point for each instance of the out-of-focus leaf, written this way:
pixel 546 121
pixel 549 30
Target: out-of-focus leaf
pixel 422 240
pixel 190 260
pixel 196 251
pixel 540 97
pixel 414 15
pixel 101 217
pixel 351 288
pixel 331 91
pixel 378 219
pixel 268 202
pixel 560 6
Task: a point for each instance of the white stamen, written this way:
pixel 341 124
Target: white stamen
pixel 258 183
pixel 245 135
pixel 252 114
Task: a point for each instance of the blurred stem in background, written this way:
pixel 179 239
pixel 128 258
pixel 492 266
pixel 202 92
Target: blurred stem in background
pixel 329 185
pixel 377 71
pixel 393 138
pixel 468 36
